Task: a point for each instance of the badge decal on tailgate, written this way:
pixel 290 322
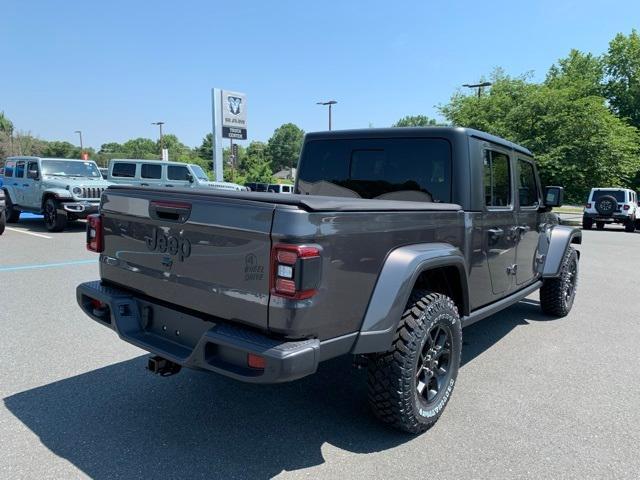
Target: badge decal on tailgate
pixel 174 245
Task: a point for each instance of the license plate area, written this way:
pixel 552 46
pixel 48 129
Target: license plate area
pixel 173 325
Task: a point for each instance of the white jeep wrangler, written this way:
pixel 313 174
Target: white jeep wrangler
pixel 612 205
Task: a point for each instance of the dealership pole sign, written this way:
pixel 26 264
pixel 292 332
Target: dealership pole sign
pixel 229 114
pixel 234 115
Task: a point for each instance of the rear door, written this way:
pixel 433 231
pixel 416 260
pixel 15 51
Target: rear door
pixel 529 200
pixel 124 172
pixel 499 219
pixel 205 253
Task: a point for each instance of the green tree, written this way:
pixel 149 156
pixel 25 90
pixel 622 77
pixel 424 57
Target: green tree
pixel 581 71
pixel 255 164
pixel 578 141
pixel 6 125
pixel 622 66
pixel 58 149
pixel 143 148
pixel 283 148
pixel 415 121
pixel 205 150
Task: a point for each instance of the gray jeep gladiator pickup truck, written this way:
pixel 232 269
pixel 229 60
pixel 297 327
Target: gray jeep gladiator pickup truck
pixel 395 240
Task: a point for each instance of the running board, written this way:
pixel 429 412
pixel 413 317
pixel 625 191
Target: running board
pixel 489 310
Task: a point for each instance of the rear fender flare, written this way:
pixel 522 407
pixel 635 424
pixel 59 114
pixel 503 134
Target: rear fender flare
pixel 395 283
pixel 553 246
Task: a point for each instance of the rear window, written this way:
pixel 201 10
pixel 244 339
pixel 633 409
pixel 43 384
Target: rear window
pixel 416 169
pixel 127 170
pixel 619 195
pixel 8 169
pixel 151 171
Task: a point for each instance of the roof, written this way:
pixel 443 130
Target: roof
pixel 404 132
pixel 27 157
pixel 148 160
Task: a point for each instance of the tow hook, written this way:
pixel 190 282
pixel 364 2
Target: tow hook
pixel 162 366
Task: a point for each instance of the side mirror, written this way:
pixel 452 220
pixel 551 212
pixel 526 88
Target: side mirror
pixel 553 196
pixel 33 174
pixel 190 177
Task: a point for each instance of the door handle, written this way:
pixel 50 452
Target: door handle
pixel 25 184
pixel 496 232
pixel 15 184
pixel 144 184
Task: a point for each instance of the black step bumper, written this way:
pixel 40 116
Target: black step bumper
pixel 193 342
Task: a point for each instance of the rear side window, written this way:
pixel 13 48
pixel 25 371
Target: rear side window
pixel 175 172
pixel 19 169
pixel 8 169
pixel 497 179
pixel 126 170
pixel 527 187
pixel 416 169
pixel 151 171
pixel 619 195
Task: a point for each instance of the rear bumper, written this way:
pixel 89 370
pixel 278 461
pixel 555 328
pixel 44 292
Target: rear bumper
pixel 193 342
pixel 616 217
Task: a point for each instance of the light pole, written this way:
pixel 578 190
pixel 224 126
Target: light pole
pixel 329 103
pixel 79 132
pixel 159 124
pixel 478 86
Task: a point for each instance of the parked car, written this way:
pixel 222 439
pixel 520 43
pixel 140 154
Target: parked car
pixel 3 218
pixel 257 187
pixel 60 188
pixel 280 188
pixel 156 173
pixel 399 238
pixel 612 205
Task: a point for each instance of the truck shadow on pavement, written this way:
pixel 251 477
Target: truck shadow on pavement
pixel 122 422
pixel 36 224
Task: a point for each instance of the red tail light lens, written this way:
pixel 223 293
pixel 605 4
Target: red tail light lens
pixel 626 207
pixel 588 205
pixel 95 237
pixel 256 361
pixel 295 271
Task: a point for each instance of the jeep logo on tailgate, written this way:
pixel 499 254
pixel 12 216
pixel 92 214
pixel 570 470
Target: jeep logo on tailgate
pixel 173 245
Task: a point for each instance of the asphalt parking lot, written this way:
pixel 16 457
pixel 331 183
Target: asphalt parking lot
pixel 536 397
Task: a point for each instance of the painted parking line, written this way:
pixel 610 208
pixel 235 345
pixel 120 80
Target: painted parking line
pixel 28 233
pixel 46 265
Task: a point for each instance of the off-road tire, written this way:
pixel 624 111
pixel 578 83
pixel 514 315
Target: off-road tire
pixel 394 376
pixel 54 219
pixel 12 215
pixel 630 225
pixel 3 222
pixel 558 294
pixel 587 223
pixel 609 201
pixel 600 225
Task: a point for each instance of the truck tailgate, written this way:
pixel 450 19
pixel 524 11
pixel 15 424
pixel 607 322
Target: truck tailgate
pixel 208 253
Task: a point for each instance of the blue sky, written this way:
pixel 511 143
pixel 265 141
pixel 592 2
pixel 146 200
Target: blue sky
pixel 111 68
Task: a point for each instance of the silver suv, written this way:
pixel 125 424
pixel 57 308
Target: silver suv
pixel 60 188
pixel 612 205
pixel 158 173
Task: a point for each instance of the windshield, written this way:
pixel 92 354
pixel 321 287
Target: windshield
pixel 198 172
pixel 70 168
pixel 392 169
pixel 617 194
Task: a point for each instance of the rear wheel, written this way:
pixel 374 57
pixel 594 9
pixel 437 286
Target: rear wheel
pixel 54 219
pixel 557 294
pixel 630 225
pixel 587 223
pixel 3 222
pixel 410 385
pixel 11 212
pixel 600 225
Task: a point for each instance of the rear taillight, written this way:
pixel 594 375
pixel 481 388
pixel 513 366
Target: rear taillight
pixel 95 237
pixel 626 207
pixel 295 271
pixel 588 205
